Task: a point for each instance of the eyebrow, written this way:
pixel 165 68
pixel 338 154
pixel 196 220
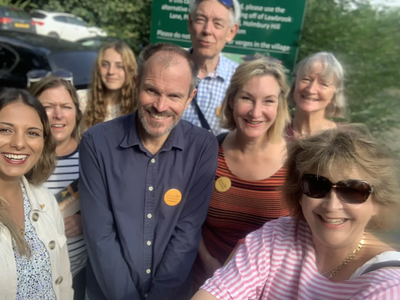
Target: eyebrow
pixel 12 125
pixel 268 96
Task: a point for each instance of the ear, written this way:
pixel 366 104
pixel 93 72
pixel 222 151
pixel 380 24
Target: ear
pixel 232 32
pixel 191 96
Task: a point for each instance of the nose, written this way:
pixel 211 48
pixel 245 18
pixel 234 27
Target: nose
pixel 57 113
pixel 207 27
pixel 332 202
pixel 255 111
pixel 160 104
pixel 18 141
pixel 111 69
pixel 313 86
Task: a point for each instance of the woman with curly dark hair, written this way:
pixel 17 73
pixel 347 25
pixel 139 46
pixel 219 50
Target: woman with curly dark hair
pixel 112 93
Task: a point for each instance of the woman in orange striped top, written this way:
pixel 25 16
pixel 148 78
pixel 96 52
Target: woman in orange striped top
pixel 250 163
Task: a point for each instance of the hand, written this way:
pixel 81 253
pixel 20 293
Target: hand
pixel 73 226
pixel 211 265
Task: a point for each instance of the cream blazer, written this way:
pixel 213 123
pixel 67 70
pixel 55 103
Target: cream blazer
pixel 49 225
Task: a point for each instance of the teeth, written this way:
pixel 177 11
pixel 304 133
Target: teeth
pixel 334 221
pixel 158 117
pixel 15 157
pixel 57 126
pixel 254 123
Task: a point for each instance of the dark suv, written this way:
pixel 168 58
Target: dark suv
pixel 22 52
pixel 15 19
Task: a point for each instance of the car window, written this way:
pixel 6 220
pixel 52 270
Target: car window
pixel 38 15
pixel 8 58
pixel 61 19
pixel 76 21
pixel 80 63
pixel 16 14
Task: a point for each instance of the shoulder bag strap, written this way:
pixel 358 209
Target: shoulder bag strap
pixel 203 120
pixel 384 264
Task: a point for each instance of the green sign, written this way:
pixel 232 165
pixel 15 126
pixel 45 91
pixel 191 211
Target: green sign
pixel 268 27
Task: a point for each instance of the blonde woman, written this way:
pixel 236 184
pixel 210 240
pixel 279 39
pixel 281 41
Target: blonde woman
pixel 250 162
pixel 317 95
pixel 34 261
pixel 112 93
pixel 339 186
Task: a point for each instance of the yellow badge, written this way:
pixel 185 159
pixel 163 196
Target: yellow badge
pixel 172 197
pixel 222 184
pixel 218 111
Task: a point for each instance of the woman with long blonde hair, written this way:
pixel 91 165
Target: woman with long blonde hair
pixel 112 93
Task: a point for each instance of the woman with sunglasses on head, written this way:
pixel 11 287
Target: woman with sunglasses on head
pixel 317 95
pixel 34 261
pixel 59 98
pixel 112 93
pixel 250 163
pixel 339 186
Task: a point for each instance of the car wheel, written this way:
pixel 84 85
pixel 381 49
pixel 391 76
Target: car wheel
pixel 54 35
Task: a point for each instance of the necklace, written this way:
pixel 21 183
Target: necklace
pixel 347 260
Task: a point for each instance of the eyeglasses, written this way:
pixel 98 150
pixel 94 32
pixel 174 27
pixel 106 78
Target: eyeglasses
pixel 37 75
pixel 351 191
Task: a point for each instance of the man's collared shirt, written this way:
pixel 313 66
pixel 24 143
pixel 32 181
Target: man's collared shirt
pixel 210 93
pixel 142 213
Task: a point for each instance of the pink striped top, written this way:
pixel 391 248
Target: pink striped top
pixel 278 262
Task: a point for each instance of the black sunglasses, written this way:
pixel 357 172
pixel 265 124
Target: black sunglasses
pixel 38 74
pixel 351 191
pixel 227 3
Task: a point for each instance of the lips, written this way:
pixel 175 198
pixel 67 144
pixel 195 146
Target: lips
pixel 332 222
pixel 57 125
pixel 15 158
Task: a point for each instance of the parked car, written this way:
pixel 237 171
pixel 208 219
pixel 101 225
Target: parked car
pixel 22 52
pixel 15 19
pixel 63 25
pixel 97 42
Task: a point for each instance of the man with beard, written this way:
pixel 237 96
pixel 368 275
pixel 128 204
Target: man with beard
pixel 145 184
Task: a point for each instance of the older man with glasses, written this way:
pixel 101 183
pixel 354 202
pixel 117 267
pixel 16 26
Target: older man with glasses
pixel 212 24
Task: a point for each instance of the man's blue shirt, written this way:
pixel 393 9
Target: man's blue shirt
pixel 210 93
pixel 137 243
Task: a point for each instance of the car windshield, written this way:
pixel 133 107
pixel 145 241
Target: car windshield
pixel 80 63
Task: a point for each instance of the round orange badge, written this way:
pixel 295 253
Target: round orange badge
pixel 222 184
pixel 218 111
pixel 172 197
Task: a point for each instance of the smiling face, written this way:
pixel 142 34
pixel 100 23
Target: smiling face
pixel 334 223
pixel 61 111
pixel 112 71
pixel 163 94
pixel 313 93
pixel 255 106
pixel 210 28
pixel 21 140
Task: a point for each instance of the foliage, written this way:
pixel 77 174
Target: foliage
pixel 22 4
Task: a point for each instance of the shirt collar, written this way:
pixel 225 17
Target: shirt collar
pixel 221 71
pixel 132 138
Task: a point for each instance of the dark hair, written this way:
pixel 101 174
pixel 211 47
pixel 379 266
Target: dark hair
pixel 150 50
pixel 51 82
pixel 40 171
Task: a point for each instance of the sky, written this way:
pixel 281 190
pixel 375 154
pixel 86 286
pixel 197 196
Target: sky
pixel 386 2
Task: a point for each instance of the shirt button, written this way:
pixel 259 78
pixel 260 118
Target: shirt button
pixel 153 160
pixel 52 245
pixel 150 188
pixel 145 295
pixel 149 216
pixel 148 271
pixel 148 243
pixel 59 280
pixel 35 216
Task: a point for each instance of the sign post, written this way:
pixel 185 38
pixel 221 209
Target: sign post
pixel 268 27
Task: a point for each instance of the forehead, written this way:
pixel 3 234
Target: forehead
pixel 213 9
pixel 18 113
pixel 320 69
pixel 57 94
pixel 111 54
pixel 169 72
pixel 266 84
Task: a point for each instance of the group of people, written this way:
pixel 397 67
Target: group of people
pixel 194 179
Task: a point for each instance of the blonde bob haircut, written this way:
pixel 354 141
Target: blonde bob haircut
pixel 330 154
pixel 52 82
pixel 245 72
pixel 96 107
pixel 332 71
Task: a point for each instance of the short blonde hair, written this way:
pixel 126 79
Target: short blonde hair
pixel 332 70
pixel 245 72
pixel 344 148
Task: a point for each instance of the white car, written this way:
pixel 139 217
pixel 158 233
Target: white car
pixel 64 26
